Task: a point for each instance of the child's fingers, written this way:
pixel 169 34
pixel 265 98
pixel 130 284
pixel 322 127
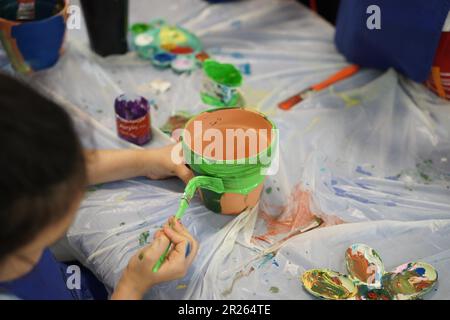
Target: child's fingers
pixel 178 227
pixel 176 260
pixel 174 236
pixel 158 234
pixel 157 247
pixel 186 247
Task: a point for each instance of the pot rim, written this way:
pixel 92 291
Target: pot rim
pixel 15 23
pixel 270 147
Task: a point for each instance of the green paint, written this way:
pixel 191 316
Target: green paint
pixel 138 28
pixel 425 177
pixel 143 237
pixel 210 183
pixel 366 293
pixel 238 176
pixel 220 84
pixel 211 200
pixel 327 284
pixel 274 289
pixel 410 281
pixel 269 190
pixel 223 73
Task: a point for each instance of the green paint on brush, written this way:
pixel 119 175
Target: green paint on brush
pixel 210 183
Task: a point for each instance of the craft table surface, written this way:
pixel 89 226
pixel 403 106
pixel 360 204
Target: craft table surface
pixel 372 151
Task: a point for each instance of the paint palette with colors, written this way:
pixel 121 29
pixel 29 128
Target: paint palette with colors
pixel 367 279
pixel 330 285
pixel 166 45
pixel 410 281
pixel 364 265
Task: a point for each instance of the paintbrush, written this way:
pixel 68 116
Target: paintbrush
pixel 342 74
pixel 210 183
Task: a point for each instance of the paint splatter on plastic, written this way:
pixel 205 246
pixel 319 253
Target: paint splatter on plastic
pixel 296 214
pixel 274 289
pixel 143 238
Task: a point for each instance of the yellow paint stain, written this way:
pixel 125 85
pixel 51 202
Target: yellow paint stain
pixel 122 197
pixel 254 97
pixel 312 124
pixel 170 37
pixel 350 101
pixel 181 286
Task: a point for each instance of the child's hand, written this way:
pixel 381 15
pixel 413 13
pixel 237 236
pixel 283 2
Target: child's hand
pixel 161 165
pixel 138 277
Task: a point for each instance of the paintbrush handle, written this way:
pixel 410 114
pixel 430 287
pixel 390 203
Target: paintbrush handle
pixel 210 183
pixel 290 102
pixel 161 259
pixel 184 204
pixel 341 75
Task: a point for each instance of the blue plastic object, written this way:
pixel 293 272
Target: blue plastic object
pixel 407 40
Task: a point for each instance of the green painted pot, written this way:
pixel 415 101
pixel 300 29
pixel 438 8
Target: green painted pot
pixel 240 161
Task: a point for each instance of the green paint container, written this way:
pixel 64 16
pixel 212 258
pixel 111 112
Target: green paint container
pixel 249 142
pixel 220 84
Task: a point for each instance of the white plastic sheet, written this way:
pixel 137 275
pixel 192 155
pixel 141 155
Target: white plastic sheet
pixel 372 151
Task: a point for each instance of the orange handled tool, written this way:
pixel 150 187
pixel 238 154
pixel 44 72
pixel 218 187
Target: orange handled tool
pixel 342 74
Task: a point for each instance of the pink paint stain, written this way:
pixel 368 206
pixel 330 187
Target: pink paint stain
pixel 296 214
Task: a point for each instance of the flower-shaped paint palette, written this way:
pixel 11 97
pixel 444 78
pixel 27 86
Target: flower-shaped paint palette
pixel 167 46
pixel 367 279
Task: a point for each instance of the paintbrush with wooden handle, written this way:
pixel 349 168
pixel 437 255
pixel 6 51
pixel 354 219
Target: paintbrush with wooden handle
pixel 342 74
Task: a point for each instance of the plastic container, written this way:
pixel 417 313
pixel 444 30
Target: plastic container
pixel 133 119
pixel 220 84
pixel 107 24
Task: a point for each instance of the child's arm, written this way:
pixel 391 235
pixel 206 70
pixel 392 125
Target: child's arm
pixel 111 165
pixel 139 277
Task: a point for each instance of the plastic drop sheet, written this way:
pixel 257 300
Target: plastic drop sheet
pixel 370 156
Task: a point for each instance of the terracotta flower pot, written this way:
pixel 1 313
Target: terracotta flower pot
pixel 240 161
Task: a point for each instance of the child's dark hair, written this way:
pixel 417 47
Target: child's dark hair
pixel 41 161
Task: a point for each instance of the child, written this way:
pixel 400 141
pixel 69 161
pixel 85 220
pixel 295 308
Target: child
pixel 44 175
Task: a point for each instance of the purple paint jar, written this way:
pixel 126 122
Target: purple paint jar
pixel 133 118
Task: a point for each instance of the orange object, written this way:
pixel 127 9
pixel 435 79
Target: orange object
pixel 439 80
pixel 202 56
pixel 341 75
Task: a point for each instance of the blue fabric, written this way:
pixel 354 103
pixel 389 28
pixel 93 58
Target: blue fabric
pixel 47 281
pixel 408 38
